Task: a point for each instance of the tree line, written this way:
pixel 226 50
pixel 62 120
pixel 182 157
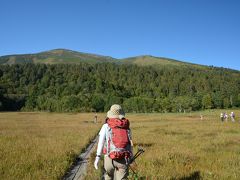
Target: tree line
pixel 95 87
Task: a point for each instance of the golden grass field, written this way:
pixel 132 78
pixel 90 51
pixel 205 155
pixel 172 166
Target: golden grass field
pixel 184 147
pixel 42 145
pixel 177 146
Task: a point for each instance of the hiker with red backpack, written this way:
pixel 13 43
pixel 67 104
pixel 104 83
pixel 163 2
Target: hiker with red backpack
pixel 115 142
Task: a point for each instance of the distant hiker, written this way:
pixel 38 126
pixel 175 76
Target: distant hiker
pixel 232 115
pixel 118 150
pixel 222 116
pixel 225 116
pixel 201 116
pixel 95 118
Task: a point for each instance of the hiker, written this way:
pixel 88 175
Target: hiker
pixel 115 134
pixel 95 118
pixel 222 117
pixel 232 115
pixel 225 116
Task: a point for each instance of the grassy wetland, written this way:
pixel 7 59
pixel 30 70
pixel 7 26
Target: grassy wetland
pixel 177 146
pixel 182 146
pixel 42 145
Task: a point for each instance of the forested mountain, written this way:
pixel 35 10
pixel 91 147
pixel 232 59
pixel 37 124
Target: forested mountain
pixel 167 86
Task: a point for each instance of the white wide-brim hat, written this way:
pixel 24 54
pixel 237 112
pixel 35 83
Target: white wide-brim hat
pixel 116 111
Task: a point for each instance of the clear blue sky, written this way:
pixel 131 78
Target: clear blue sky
pixel 199 31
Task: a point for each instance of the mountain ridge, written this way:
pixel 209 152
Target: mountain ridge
pixel 67 56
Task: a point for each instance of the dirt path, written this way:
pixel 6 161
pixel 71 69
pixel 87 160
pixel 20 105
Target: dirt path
pixel 79 169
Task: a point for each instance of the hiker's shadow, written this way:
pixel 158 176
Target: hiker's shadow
pixel 193 176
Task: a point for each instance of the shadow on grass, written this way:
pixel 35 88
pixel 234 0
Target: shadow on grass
pixel 143 144
pixel 194 176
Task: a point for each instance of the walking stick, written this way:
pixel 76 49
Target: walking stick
pixel 138 153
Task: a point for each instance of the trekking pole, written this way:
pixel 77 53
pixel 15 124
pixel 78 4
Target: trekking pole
pixel 138 153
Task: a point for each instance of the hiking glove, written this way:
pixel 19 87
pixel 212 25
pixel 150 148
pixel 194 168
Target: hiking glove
pixel 96 162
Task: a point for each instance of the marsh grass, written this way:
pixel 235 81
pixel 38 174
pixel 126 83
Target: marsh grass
pixel 42 145
pixel 182 146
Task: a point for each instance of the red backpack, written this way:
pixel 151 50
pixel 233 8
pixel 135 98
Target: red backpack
pixel 118 139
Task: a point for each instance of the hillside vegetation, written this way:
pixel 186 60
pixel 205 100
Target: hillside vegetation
pixel 88 87
pixel 151 60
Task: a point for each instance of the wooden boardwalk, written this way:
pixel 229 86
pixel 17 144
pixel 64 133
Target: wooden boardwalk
pixel 79 169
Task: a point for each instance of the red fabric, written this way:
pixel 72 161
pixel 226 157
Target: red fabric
pixel 119 132
pixel 120 137
pixel 117 123
pixel 119 155
pixel 104 150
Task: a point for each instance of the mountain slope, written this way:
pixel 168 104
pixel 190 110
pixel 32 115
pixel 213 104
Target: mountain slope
pixel 56 56
pixel 65 56
pixel 151 60
pixel 148 60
